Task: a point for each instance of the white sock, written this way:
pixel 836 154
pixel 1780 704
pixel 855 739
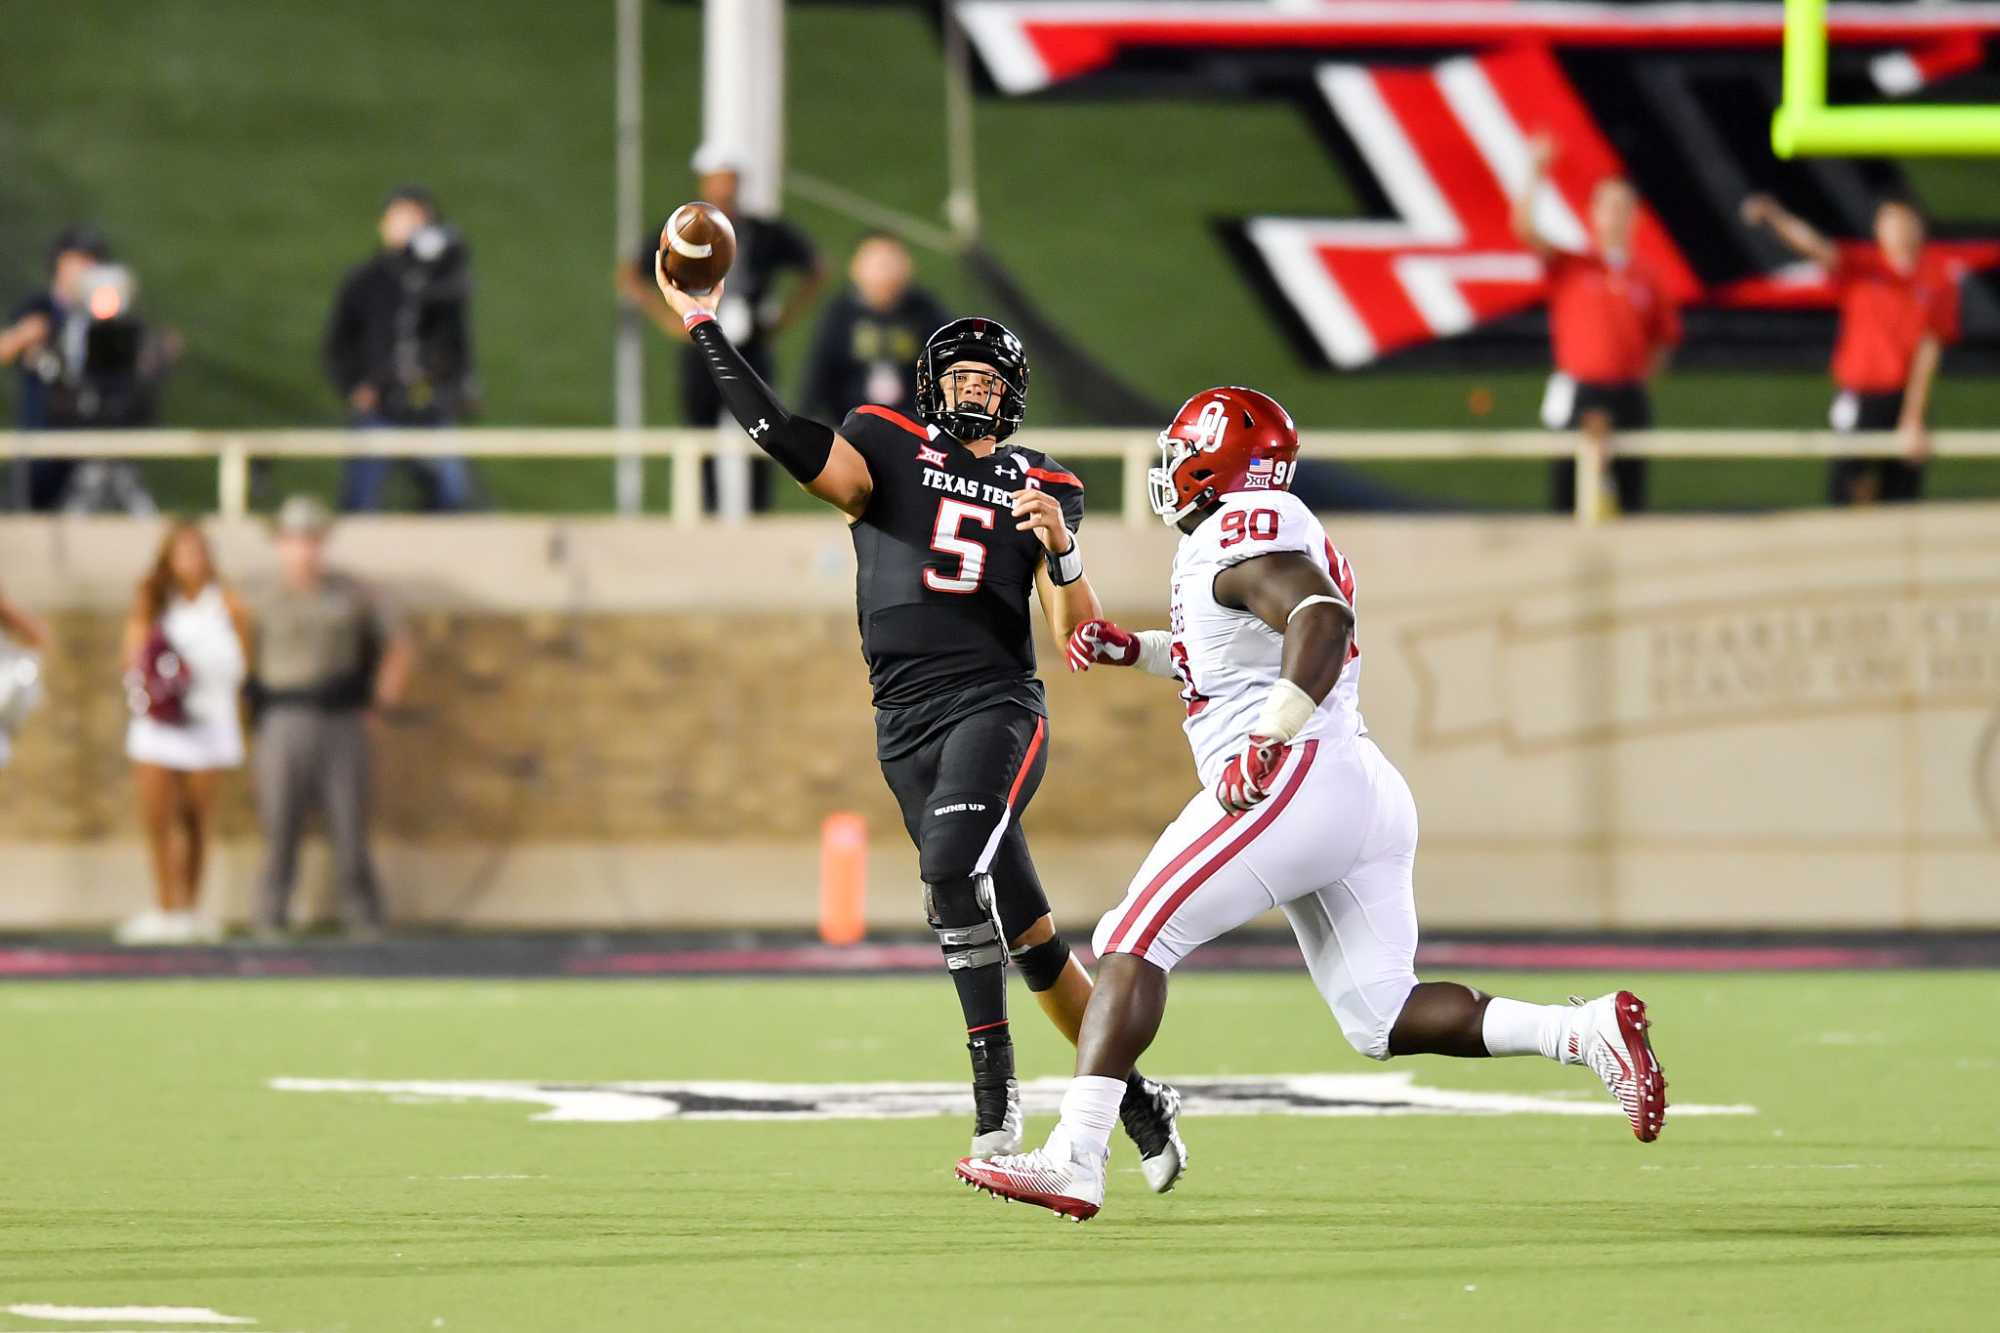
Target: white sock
pixel 1090 1110
pixel 1514 1028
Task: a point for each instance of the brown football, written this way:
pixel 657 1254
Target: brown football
pixel 698 245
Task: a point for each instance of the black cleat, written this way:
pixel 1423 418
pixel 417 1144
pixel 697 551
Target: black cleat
pixel 1151 1113
pixel 997 1125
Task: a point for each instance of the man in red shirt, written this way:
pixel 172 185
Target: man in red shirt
pixel 1612 326
pixel 1898 311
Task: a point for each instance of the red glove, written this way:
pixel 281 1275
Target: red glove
pixel 1248 777
pixel 1101 641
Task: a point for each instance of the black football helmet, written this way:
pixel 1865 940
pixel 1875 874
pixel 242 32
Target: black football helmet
pixel 990 343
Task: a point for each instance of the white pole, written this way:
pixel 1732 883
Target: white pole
pixel 629 363
pixel 743 124
pixel 743 96
pixel 961 204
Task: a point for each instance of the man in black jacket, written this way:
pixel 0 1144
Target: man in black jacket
pixel 866 348
pixel 399 347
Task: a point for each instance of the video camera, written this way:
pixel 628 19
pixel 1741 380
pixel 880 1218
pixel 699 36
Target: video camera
pixel 100 364
pixel 436 275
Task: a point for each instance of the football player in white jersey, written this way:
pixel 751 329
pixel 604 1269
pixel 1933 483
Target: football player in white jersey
pixel 1299 810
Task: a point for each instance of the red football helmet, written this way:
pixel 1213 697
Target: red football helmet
pixel 1222 440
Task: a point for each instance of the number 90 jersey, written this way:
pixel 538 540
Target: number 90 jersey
pixel 943 574
pixel 1228 660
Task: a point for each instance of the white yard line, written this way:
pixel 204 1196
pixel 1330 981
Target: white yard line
pixel 138 1314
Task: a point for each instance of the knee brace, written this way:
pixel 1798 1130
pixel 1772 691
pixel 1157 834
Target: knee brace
pixel 960 911
pixel 956 834
pixel 1042 964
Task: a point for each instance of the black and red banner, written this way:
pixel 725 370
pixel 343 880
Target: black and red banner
pixel 1429 107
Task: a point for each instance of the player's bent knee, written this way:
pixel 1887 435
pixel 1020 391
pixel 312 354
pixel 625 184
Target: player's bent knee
pixel 1042 965
pixel 956 833
pixel 1368 1014
pixel 960 912
pixel 1370 1038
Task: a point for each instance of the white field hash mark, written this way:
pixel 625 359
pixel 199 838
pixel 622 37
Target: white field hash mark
pixel 119 1314
pixel 1271 1094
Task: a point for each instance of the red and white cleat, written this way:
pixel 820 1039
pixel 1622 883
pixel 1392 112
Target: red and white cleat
pixel 1609 1034
pixel 1065 1178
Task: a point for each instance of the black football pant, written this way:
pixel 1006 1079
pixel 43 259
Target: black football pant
pixel 1630 408
pixel 962 794
pixel 1860 480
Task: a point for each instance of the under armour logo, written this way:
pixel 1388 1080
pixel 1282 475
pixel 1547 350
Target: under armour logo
pixel 763 424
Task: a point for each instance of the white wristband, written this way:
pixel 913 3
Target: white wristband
pixel 1287 708
pixel 1066 568
pixel 1156 652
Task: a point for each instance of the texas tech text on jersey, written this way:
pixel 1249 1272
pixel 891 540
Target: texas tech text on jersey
pixel 943 573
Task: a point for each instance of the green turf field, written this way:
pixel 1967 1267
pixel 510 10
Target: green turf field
pixel 238 151
pixel 146 1162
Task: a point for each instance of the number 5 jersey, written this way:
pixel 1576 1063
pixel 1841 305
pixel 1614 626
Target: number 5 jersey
pixel 943 578
pixel 1228 660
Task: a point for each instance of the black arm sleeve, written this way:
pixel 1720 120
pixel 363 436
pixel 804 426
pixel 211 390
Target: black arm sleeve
pixel 800 445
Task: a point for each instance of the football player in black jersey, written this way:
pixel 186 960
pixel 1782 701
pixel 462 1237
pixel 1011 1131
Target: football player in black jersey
pixel 953 527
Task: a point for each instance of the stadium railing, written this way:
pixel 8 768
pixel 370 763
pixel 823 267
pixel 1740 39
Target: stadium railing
pixel 1138 450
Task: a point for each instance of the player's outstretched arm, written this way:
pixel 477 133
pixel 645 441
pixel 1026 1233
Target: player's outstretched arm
pixel 826 465
pixel 1097 640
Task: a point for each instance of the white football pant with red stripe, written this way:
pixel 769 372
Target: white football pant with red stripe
pixel 1334 845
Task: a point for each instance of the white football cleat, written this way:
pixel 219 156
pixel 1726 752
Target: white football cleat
pixel 1609 1034
pixel 1004 1139
pixel 1064 1177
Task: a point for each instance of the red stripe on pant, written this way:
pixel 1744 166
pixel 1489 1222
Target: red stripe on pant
pixel 1034 748
pixel 1270 810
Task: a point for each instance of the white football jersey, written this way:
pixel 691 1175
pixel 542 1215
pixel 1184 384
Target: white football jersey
pixel 1228 660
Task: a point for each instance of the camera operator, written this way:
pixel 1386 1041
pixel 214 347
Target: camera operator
pixel 399 348
pixel 86 362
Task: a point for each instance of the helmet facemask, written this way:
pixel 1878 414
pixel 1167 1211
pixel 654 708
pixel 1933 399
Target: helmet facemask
pixel 1162 488
pixel 959 419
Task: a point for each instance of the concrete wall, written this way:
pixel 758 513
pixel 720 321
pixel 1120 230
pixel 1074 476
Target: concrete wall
pixel 1782 720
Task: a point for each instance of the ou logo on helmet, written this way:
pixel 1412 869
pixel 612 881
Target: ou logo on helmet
pixel 1211 425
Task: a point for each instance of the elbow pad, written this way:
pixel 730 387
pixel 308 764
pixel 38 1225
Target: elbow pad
pixel 799 445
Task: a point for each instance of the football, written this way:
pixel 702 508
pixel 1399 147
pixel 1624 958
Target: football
pixel 698 245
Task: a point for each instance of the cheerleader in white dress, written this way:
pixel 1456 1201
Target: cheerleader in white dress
pixel 178 764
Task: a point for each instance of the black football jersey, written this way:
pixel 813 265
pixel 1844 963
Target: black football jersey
pixel 943 575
